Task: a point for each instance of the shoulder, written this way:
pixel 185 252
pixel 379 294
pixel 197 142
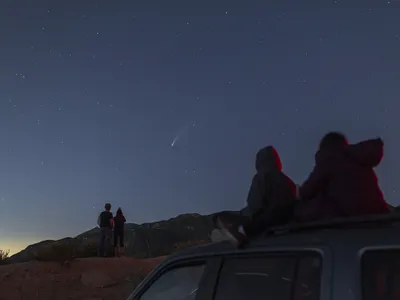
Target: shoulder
pixel 287 178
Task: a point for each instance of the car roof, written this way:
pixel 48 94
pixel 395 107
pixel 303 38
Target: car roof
pixel 344 237
pixel 355 232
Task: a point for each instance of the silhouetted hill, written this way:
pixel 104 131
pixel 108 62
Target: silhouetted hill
pixel 141 241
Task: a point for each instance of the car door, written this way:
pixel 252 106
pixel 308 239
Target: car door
pixel 275 276
pixel 179 280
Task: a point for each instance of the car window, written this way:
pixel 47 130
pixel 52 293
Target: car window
pixel 270 277
pixel 308 278
pixel 180 283
pixel 380 275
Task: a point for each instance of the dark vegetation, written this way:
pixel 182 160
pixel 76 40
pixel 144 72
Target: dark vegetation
pixel 3 255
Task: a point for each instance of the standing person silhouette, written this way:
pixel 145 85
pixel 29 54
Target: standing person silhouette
pixel 119 221
pixel 105 222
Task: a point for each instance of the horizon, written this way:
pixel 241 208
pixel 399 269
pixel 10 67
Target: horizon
pixel 75 235
pixel 160 108
pixel 23 245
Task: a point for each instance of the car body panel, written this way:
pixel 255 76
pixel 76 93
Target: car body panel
pixel 340 249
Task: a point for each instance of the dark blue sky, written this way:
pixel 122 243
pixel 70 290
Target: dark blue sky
pixel 93 94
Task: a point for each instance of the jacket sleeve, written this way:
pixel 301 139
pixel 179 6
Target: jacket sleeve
pixel 255 197
pixel 315 182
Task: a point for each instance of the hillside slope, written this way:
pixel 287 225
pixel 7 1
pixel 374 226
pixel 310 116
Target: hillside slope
pixel 89 278
pixel 141 241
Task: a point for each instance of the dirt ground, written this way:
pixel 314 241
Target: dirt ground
pixel 83 279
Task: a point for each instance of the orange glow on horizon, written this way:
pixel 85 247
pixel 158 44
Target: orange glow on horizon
pixel 16 245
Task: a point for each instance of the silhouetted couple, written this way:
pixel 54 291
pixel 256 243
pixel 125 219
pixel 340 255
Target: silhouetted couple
pixel 342 184
pixel 108 223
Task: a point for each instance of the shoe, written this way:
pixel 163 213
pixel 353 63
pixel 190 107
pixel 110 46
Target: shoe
pixel 231 232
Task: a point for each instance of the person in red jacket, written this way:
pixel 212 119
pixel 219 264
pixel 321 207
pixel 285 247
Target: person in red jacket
pixel 343 182
pixel 119 223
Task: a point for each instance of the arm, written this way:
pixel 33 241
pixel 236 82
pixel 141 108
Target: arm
pixel 112 221
pixel 124 220
pixel 314 183
pixel 256 195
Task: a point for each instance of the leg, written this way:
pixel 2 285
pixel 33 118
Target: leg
pixel 107 241
pixel 231 225
pixel 100 250
pixel 121 243
pixel 278 216
pixel 115 244
pixel 254 226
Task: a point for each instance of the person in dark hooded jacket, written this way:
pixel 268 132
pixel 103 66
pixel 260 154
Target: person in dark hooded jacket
pixel 270 200
pixel 343 182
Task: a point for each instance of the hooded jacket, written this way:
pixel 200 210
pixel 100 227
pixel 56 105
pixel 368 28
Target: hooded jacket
pixel 343 182
pixel 271 190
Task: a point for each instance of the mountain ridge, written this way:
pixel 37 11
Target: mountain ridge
pixel 146 240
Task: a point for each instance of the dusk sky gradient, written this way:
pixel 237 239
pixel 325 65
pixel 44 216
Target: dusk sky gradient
pixel 93 94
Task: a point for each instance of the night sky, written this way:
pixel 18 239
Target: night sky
pixel 160 106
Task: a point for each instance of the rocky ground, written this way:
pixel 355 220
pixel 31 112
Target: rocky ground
pixel 83 279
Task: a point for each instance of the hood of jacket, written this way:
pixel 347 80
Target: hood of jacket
pixel 267 159
pixel 367 153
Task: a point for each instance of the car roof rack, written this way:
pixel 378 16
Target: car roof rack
pixel 337 223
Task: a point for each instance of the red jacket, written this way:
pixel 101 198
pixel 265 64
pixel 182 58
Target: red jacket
pixel 343 182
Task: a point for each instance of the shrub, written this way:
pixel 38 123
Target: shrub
pixel 4 255
pixel 56 252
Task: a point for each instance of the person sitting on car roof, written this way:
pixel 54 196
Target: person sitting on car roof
pixel 270 200
pixel 343 182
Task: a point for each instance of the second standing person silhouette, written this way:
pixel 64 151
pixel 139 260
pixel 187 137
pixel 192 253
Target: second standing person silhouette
pixel 119 222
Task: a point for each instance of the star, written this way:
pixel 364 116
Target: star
pixel 126 105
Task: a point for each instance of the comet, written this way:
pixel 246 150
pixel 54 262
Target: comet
pixel 176 138
pixel 182 132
